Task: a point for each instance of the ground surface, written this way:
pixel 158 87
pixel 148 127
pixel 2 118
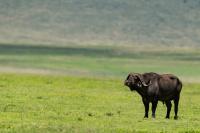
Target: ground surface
pixel 35 103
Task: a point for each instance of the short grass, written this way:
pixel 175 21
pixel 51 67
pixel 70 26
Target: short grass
pixel 35 103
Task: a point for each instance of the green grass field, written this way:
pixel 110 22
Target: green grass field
pixel 80 89
pixel 35 103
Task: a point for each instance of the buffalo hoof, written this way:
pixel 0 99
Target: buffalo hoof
pixel 145 116
pixel 175 117
pixel 167 117
pixel 153 116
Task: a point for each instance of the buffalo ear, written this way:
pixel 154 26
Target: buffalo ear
pixel 149 83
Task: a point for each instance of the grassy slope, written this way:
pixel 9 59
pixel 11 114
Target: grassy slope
pixel 68 104
pixel 172 22
pixel 98 61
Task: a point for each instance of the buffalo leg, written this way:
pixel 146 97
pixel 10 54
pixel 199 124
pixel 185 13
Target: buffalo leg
pixel 176 101
pixel 154 105
pixel 169 105
pixel 146 105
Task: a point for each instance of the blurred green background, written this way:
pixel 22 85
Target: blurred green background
pixel 107 38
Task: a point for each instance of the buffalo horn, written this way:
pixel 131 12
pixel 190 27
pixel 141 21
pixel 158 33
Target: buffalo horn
pixel 142 81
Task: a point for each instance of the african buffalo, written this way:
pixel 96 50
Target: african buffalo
pixel 154 87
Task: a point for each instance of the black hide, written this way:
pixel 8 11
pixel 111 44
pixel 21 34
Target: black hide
pixel 154 87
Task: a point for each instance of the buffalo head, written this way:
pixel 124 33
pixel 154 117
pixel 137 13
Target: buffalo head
pixel 135 81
